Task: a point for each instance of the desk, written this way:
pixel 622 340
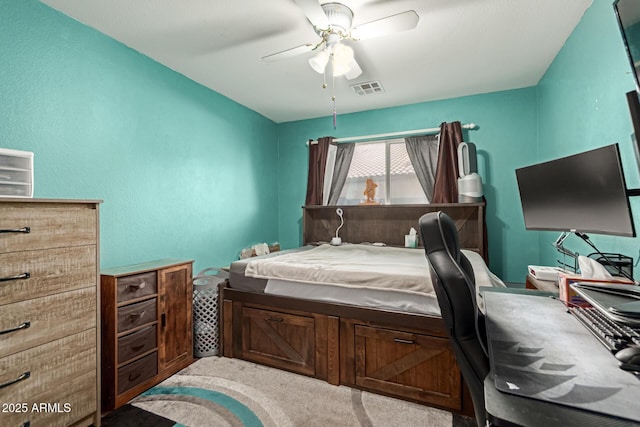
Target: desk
pixel 539 328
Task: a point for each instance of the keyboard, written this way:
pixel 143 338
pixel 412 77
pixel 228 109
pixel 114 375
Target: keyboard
pixel 613 335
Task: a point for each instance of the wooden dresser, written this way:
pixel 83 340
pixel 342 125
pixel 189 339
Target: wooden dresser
pixel 147 332
pixel 49 346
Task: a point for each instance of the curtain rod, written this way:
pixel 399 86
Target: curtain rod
pixel 392 134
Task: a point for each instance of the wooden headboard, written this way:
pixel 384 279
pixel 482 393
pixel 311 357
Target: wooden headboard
pixel 389 223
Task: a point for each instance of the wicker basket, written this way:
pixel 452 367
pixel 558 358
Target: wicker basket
pixel 206 340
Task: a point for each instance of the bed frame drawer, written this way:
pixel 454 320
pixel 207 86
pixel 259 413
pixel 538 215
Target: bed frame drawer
pixel 414 366
pixel 279 339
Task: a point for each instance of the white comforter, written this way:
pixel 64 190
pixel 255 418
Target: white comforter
pixel 349 265
pixel 363 266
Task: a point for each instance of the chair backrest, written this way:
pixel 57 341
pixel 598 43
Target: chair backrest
pixel 454 284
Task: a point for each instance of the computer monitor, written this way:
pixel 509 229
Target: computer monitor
pixel 585 193
pixel 628 16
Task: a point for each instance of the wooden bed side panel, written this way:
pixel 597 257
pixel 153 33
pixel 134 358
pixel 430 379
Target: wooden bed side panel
pixel 345 345
pixel 389 223
pixel 430 325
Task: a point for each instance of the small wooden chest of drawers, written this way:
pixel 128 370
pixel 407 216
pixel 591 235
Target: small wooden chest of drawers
pixel 48 300
pixel 147 330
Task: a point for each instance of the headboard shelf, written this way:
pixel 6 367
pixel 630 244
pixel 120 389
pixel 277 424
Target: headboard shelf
pixel 389 223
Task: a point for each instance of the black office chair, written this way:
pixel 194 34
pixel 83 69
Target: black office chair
pixel 454 283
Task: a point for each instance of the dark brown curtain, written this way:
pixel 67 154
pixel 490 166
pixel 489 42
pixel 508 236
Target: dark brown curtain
pixel 317 165
pixel 445 189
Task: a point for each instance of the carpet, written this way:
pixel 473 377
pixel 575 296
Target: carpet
pixel 219 391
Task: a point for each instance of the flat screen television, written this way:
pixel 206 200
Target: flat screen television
pixel 585 193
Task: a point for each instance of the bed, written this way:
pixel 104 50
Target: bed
pixel 347 314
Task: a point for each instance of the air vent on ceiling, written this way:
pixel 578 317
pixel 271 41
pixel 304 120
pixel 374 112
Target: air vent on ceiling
pixel 368 88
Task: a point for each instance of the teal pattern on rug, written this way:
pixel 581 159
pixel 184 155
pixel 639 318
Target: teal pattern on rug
pixel 244 414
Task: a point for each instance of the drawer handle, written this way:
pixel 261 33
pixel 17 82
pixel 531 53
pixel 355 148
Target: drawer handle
pixel 21 276
pixel 275 319
pixel 25 325
pixel 16 230
pixel 17 380
pixel 135 316
pixel 137 287
pixel 401 341
pixel 137 347
pixel 134 376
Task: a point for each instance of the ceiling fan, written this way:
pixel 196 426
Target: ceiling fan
pixel 332 22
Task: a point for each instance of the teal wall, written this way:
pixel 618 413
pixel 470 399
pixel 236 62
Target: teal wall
pixel 506 136
pixel 183 171
pixel 581 106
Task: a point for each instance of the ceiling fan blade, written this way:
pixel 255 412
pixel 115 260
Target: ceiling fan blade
pixel 314 13
pixel 391 24
pixel 354 70
pixel 289 53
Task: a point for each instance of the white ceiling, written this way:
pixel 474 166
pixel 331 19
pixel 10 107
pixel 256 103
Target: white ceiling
pixel 459 48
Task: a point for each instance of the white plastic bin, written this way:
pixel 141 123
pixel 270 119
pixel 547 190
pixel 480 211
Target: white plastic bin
pixel 16 173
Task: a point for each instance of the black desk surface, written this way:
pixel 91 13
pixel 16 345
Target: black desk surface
pixel 548 370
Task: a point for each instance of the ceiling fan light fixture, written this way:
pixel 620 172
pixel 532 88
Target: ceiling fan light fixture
pixel 354 70
pixel 339 69
pixel 319 61
pixel 342 54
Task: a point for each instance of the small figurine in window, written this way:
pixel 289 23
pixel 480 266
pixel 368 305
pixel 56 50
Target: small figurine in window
pixel 370 192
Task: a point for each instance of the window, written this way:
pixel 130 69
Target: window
pixel 388 165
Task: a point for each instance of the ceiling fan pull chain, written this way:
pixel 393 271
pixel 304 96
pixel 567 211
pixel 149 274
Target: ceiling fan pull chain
pixel 333 99
pixel 334 113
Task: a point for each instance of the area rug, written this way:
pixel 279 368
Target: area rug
pixel 219 391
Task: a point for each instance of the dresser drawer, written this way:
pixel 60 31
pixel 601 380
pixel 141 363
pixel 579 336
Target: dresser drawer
pixel 139 342
pixel 136 286
pixel 43 272
pixel 50 225
pixel 136 372
pixel 74 401
pixel 49 365
pixel 138 314
pixel 34 322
